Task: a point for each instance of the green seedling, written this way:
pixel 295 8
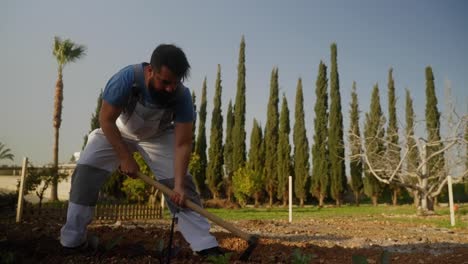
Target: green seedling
pixel 299 258
pixel 7 257
pixel 222 259
pixel 359 259
pixel 113 243
pixel 160 250
pixel 384 258
pixel 160 247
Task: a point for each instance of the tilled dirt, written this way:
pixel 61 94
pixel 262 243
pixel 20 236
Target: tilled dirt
pixel 335 240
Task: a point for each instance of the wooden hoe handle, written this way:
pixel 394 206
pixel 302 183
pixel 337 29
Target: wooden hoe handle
pixel 231 228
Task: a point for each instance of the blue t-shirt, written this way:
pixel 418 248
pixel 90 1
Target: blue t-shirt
pixel 119 88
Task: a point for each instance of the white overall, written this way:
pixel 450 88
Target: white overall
pixel 148 130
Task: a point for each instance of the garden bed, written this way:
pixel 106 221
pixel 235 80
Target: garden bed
pixel 322 240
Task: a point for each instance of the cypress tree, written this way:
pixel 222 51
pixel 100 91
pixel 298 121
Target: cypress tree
pixel 200 146
pixel 450 155
pixel 257 160
pixel 301 148
pixel 413 156
pixel 228 149
pixel 271 137
pixel 412 161
pixel 194 102
pixel 374 134
pixel 284 153
pixel 214 173
pixel 94 124
pixel 320 164
pixel 335 140
pixel 238 140
pixel 393 148
pixel 436 165
pixel 355 163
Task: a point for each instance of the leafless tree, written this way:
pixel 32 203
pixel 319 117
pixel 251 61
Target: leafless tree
pixel 417 180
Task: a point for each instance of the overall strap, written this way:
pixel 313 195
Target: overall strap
pixel 137 85
pixel 138 77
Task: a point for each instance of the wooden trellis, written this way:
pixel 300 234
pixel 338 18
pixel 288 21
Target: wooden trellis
pixel 102 213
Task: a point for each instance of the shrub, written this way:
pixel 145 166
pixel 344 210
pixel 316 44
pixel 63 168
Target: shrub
pixel 243 184
pixel 135 190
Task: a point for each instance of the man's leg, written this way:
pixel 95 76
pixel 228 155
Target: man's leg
pixel 159 155
pixel 96 162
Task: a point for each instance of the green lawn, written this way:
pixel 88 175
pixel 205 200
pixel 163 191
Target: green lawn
pixel 402 213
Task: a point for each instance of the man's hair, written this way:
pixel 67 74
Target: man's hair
pixel 173 58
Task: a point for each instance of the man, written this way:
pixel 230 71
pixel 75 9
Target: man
pixel 145 108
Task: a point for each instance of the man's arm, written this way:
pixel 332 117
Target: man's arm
pixel 183 150
pixel 107 117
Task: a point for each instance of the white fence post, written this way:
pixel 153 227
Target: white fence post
pixel 19 209
pixel 452 214
pixel 162 205
pixel 290 199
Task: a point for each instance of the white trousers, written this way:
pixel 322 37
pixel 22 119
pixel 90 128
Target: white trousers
pixel 98 160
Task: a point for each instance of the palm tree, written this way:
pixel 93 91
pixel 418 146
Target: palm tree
pixel 5 153
pixel 65 51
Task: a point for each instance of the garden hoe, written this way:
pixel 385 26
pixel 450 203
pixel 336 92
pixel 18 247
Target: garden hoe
pixel 252 240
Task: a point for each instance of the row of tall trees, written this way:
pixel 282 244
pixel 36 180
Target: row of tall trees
pixel 377 160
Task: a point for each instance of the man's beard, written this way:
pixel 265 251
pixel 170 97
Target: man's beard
pixel 162 98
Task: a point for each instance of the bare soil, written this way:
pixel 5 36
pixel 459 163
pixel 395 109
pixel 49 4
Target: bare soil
pixel 334 240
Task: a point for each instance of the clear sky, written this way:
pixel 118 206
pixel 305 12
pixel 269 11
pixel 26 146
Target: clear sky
pixel 372 36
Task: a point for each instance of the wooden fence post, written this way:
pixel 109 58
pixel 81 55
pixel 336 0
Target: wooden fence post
pixel 162 205
pixel 19 210
pixel 127 212
pixel 115 211
pixel 290 191
pixel 104 211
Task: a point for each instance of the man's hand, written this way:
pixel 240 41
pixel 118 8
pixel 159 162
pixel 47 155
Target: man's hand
pixel 179 196
pixel 129 167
